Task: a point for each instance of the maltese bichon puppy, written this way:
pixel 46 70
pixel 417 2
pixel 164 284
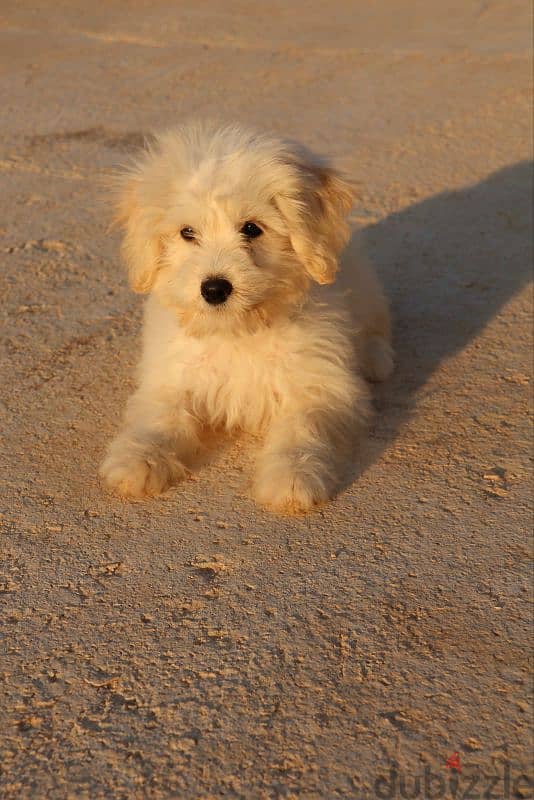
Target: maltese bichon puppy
pixel 227 230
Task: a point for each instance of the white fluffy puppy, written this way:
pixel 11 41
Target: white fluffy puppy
pixel 227 230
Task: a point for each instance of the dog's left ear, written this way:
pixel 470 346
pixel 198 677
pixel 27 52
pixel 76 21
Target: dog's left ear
pixel 316 209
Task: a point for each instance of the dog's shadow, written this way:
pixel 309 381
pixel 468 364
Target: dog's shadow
pixel 449 264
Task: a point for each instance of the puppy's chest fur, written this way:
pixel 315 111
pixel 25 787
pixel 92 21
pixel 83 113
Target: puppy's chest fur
pixel 242 382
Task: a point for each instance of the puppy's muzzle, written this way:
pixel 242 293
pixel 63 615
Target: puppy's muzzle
pixel 215 290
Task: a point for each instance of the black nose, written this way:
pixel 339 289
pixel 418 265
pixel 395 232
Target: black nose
pixel 215 290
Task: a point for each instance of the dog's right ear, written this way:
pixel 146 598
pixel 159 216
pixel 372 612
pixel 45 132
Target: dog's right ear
pixel 141 246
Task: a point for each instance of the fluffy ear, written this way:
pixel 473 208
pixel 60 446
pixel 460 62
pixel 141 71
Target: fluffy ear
pixel 316 213
pixel 141 246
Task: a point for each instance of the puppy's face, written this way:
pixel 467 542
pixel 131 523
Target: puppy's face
pixel 226 261
pixel 228 227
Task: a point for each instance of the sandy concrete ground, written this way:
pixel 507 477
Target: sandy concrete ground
pixel 392 626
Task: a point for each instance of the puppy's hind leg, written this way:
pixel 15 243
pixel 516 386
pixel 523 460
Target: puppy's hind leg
pixel 376 357
pixel 152 451
pixel 369 310
pixel 376 354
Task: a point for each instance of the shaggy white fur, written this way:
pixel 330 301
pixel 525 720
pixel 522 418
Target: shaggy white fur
pixel 227 229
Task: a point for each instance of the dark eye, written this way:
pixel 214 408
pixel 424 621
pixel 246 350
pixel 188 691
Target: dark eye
pixel 187 233
pixel 251 230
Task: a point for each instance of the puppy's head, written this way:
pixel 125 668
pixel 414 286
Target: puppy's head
pixel 228 227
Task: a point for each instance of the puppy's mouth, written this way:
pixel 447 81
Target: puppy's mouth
pixel 225 317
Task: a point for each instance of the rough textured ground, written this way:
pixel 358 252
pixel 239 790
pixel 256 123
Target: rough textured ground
pixel 198 647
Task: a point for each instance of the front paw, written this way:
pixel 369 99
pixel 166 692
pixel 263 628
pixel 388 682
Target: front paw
pixel 288 488
pixel 140 474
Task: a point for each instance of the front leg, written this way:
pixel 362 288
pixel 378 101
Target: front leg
pixel 154 448
pixel 306 446
pixel 297 468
